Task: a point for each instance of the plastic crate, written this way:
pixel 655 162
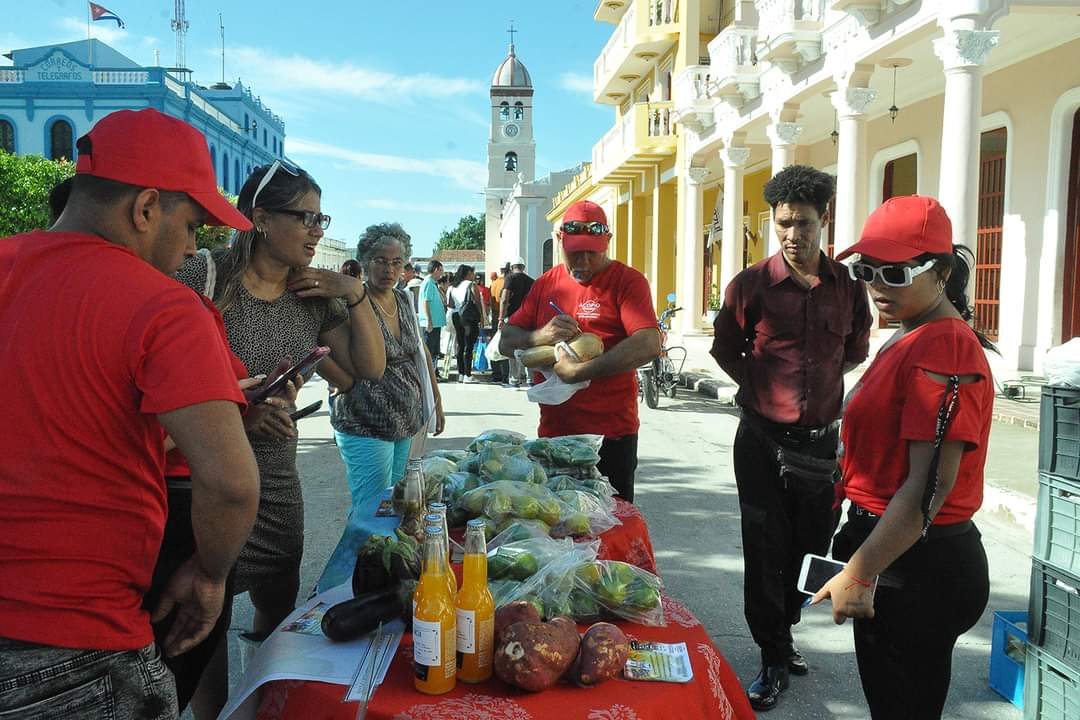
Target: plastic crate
pixel 1051 689
pixel 1008 650
pixel 1054 614
pixel 1057 523
pixel 1059 431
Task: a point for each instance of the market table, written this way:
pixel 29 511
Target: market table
pixel 713 693
pixel 628 542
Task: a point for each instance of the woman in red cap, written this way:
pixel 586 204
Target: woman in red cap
pixel 914 440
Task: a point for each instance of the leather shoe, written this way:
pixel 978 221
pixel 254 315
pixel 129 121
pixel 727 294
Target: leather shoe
pixel 767 686
pixel 796 663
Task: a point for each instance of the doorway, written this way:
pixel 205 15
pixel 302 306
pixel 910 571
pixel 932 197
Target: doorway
pixel 991 218
pixel 1070 311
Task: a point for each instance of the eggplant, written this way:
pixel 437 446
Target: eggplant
pixel 350 619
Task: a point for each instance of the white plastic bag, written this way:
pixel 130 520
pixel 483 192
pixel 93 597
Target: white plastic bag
pixel 553 391
pixel 1062 364
pixel 491 352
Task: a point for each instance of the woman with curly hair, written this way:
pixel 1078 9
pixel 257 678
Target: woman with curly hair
pixel 375 420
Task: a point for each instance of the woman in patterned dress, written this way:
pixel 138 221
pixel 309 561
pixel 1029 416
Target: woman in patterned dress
pixel 275 307
pixel 375 420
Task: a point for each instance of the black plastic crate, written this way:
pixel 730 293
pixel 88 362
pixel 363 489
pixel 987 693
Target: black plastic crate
pixel 1051 689
pixel 1054 614
pixel 1059 431
pixel 1057 523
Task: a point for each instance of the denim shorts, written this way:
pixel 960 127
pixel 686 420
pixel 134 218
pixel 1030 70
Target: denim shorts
pixel 40 682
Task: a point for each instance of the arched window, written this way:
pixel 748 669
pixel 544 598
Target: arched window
pixel 519 110
pixel 225 170
pixel 7 137
pixel 264 137
pixel 237 182
pixel 511 162
pixel 213 158
pixel 504 110
pixel 61 141
pixel 273 143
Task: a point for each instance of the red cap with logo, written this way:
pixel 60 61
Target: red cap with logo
pixel 903 228
pixel 587 212
pixel 149 149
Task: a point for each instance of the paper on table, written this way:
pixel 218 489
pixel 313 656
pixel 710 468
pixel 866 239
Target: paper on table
pixel 297 656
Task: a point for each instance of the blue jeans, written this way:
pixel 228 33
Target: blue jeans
pixel 371 465
pixel 41 682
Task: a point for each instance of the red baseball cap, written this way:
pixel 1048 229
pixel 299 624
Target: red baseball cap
pixel 903 228
pixel 147 148
pixel 585 211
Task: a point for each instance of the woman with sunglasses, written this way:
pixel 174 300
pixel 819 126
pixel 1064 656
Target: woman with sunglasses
pixel 914 441
pixel 275 309
pixel 375 420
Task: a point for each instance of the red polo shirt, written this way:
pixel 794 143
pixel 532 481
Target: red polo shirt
pixel 896 403
pixel 614 305
pixel 786 345
pixel 96 344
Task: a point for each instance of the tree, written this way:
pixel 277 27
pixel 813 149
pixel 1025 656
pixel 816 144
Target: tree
pixel 468 235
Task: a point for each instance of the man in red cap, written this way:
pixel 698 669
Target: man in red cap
pixel 104 362
pixel 590 292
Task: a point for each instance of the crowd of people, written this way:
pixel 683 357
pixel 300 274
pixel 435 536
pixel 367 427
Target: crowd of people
pixel 155 483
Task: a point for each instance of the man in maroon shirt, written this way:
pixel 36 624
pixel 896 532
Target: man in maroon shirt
pixel 789 329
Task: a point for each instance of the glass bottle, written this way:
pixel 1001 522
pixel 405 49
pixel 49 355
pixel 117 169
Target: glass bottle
pixel 411 506
pixel 433 520
pixel 475 610
pixel 440 509
pixel 434 622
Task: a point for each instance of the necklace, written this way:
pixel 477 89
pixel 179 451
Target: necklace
pixel 379 305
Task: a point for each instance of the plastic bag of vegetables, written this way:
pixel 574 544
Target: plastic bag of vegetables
pixel 598 487
pixel 585 515
pixel 617 589
pixel 513 529
pixel 494 437
pixel 437 469
pixel 551 586
pixel 522 559
pixel 508 462
pixel 452 455
pixel 566 450
pixel 505 498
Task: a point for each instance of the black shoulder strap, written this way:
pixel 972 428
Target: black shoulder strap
pixel 946 413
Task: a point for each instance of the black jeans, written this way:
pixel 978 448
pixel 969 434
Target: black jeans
pixel 783 519
pixel 177 545
pixel 618 463
pixel 905 650
pixel 433 340
pixel 466 335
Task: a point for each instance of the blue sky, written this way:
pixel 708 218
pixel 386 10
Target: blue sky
pixel 385 103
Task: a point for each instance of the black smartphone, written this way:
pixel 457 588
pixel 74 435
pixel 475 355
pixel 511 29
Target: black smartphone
pixel 278 384
pixel 305 411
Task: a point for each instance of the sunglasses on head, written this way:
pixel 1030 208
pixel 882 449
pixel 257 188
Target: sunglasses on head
pixel 576 227
pixel 277 165
pixel 891 275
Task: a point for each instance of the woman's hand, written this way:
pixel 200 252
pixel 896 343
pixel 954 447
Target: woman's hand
pixel 270 419
pixel 440 418
pixel 850 596
pixel 312 282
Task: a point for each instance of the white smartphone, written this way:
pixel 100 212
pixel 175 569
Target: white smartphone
pixel 816 571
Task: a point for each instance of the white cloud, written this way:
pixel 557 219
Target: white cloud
pixel 282 73
pixel 576 82
pixel 428 208
pixel 466 173
pixel 106 32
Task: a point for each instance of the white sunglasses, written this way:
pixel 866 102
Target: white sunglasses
pixel 891 275
pixel 277 165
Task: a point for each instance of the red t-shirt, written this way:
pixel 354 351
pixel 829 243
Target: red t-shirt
pixel 96 344
pixel 614 305
pixel 175 463
pixel 897 402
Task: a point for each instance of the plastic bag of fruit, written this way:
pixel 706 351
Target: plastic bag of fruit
pixel 581 451
pixel 494 437
pixel 522 559
pixel 585 515
pixel 598 487
pixel 498 462
pixel 615 588
pixel 507 498
pixel 550 587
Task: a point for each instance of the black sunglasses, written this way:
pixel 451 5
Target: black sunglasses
pixel 308 218
pixel 575 227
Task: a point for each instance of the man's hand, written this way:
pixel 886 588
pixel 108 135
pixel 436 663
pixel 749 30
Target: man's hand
pixel 567 367
pixel 197 600
pixel 558 329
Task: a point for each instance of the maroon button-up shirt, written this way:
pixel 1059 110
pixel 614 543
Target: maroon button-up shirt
pixel 786 345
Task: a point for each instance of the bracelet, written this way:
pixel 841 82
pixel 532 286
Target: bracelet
pixel 359 300
pixel 858 581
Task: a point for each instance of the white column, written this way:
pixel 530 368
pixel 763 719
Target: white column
pixel 963 53
pixel 692 252
pixel 852 167
pixel 782 137
pixel 734 158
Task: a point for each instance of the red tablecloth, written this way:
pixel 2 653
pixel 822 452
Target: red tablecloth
pixel 630 541
pixel 714 692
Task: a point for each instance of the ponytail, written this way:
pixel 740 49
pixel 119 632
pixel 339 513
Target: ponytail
pixel 959 264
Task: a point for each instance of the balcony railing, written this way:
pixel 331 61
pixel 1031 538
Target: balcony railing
pixel 11 76
pixel 735 68
pixel 694 97
pixel 617 48
pixel 644 33
pixel 661 12
pixel 647 131
pixel 121 77
pixel 790 31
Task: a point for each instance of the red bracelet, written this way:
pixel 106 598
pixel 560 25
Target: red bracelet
pixel 858 581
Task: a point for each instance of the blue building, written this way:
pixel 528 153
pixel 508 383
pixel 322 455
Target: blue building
pixel 54 94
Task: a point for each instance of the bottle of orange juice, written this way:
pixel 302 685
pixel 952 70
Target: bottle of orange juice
pixel 435 520
pixel 434 628
pixel 475 610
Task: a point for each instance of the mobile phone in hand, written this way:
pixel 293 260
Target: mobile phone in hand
pixel 305 411
pixel 816 571
pixel 277 386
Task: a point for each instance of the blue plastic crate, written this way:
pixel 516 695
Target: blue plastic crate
pixel 1008 652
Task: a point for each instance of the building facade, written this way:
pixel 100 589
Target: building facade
pixel 330 253
pixel 52 95
pixel 972 101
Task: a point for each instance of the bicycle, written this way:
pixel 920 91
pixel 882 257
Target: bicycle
pixel 662 375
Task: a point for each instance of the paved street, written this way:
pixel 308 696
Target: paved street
pixel 686 489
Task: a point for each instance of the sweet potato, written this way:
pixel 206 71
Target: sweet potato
pixel 534 656
pixel 586 346
pixel 602 655
pixel 515 612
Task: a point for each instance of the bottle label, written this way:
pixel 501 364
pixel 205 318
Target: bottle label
pixel 466 631
pixel 427 642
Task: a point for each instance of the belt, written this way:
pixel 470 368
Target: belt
pixel 934 532
pixel 801 433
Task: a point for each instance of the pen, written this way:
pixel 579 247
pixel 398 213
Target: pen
pixel 555 307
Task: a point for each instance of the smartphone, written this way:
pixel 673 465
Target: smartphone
pixel 278 385
pixel 305 411
pixel 816 571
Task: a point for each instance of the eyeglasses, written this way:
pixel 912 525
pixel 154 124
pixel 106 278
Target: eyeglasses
pixel 308 218
pixel 277 165
pixel 575 227
pixel 396 263
pixel 891 275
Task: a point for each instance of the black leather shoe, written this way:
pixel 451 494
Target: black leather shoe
pixel 796 663
pixel 767 686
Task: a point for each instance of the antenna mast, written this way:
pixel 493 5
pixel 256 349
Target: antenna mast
pixel 180 27
pixel 221 24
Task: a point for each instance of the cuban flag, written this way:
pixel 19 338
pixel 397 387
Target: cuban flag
pixel 97 12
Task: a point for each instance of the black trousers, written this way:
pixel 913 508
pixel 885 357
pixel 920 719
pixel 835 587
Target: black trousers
pixel 618 463
pixel 783 519
pixel 466 335
pixel 932 594
pixel 433 340
pixel 177 545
